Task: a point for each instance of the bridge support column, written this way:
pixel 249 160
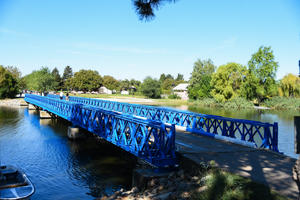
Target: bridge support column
pixel 75 133
pixel 44 115
pixel 31 107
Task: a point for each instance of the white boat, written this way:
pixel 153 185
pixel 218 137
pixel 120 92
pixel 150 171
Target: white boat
pixel 14 184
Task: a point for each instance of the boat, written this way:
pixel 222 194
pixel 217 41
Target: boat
pixel 14 184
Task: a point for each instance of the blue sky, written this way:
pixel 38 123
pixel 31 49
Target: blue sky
pixel 107 35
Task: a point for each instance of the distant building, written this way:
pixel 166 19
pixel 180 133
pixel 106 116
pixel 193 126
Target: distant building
pixel 182 91
pixel 125 92
pixel 104 90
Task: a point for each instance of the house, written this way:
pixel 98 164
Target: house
pixel 104 90
pixel 182 91
pixel 125 92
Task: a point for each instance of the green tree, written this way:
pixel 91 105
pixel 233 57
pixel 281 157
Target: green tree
pixel 179 78
pixel 110 82
pixel 151 88
pixel 260 79
pixel 227 81
pixel 68 73
pixel 41 80
pixel 290 86
pixel 57 78
pixel 200 86
pixel 85 80
pixel 8 84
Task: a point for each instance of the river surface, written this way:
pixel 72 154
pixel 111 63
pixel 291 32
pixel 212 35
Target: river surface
pixel 58 167
pixel 64 169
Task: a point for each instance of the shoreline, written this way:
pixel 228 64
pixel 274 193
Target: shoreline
pixel 16 102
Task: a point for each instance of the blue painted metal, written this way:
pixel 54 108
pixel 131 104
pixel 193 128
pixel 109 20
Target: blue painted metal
pixel 264 135
pixel 150 140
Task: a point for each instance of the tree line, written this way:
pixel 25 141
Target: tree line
pixel 255 82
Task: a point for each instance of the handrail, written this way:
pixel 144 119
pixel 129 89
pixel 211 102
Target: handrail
pixel 262 134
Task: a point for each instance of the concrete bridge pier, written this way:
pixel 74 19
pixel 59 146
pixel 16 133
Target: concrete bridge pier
pixel 31 107
pixel 45 115
pixel 76 133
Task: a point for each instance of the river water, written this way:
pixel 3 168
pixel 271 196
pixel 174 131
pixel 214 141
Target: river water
pixel 58 167
pixel 64 169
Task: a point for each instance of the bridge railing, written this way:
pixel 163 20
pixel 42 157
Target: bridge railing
pixel 261 134
pixel 150 140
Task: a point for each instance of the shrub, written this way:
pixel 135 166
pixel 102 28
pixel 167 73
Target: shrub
pixel 283 103
pixel 174 96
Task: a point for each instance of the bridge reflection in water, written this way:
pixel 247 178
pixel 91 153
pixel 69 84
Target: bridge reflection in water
pixel 148 132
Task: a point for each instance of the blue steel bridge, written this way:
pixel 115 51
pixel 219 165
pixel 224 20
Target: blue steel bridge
pixel 148 132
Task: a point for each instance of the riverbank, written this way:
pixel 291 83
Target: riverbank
pixel 275 103
pixel 12 102
pixel 207 182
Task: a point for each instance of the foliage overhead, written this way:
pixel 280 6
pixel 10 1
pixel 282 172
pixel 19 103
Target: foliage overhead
pixel 200 80
pixel 8 84
pixel 227 82
pixel 151 88
pixel 145 8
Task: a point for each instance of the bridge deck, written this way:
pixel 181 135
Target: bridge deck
pixel 270 168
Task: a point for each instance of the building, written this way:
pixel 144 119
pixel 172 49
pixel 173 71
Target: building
pixel 104 90
pixel 182 91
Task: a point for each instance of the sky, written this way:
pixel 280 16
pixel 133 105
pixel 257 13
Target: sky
pixel 107 35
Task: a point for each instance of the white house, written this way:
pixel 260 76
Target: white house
pixel 182 91
pixel 125 92
pixel 104 90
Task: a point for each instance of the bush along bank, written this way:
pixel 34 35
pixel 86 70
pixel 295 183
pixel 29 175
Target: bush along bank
pixel 278 103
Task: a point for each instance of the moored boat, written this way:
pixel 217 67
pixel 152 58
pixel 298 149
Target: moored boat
pixel 14 184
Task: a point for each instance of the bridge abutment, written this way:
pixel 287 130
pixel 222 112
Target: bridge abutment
pixel 76 133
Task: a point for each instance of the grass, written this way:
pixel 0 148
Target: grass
pixel 283 103
pixel 222 185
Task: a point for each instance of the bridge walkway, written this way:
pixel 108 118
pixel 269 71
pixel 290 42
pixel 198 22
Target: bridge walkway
pixel 264 166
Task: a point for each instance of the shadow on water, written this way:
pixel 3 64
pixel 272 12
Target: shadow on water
pixel 61 168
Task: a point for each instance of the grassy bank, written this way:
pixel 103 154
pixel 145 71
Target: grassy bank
pixel 278 103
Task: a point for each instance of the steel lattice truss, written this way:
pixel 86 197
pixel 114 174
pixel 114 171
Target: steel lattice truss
pixel 263 135
pixel 150 140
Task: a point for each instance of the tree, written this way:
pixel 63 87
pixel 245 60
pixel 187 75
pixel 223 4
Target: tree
pixel 151 88
pixel 8 84
pixel 41 80
pixel 57 79
pixel 290 86
pixel 145 8
pixel 86 80
pixel 262 72
pixel 227 81
pixel 200 86
pixel 110 82
pixel 68 73
pixel 179 77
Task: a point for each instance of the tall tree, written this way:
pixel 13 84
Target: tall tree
pixel 227 82
pixel 57 79
pixel 110 82
pixel 200 86
pixel 41 80
pixel 86 80
pixel 68 73
pixel 261 76
pixel 151 88
pixel 290 86
pixel 8 84
pixel 179 77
